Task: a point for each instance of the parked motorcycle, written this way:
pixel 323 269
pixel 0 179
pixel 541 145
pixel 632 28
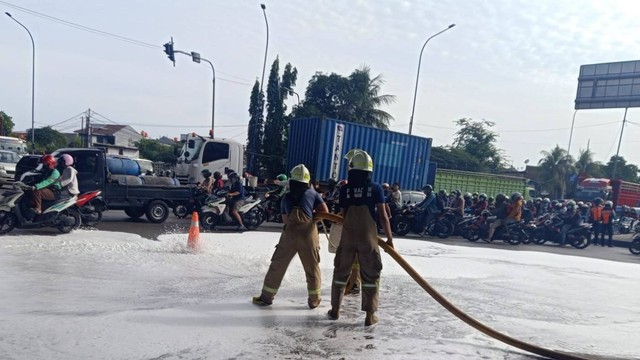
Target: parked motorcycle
pixel 634 246
pixel 62 214
pixel 512 234
pixel 412 219
pixel 216 213
pixel 577 236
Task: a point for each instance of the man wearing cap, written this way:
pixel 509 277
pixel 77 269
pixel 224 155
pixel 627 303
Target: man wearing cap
pixel 299 236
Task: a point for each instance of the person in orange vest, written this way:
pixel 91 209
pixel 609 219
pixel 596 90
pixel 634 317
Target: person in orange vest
pixel 595 218
pixel 608 214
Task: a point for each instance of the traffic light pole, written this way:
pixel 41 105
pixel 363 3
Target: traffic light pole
pixel 196 58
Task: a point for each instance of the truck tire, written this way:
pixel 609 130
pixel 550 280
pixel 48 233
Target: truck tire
pixel 157 211
pixel 134 213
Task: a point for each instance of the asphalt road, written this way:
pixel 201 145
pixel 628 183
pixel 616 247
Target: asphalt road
pixel 118 221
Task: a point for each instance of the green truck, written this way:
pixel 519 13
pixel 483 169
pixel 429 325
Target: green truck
pixel 490 184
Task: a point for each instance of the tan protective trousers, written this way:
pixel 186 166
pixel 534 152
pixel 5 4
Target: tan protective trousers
pixel 300 236
pixel 359 239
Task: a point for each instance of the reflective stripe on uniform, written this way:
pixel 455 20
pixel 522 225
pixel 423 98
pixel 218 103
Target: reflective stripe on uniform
pixel 365 285
pixel 340 283
pixel 314 291
pixel 269 290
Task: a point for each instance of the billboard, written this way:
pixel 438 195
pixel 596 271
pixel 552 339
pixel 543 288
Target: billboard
pixel 609 85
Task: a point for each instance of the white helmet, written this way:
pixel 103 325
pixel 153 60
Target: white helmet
pixel 68 159
pixel 361 161
pixel 301 174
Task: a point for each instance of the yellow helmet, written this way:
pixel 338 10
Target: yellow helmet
pixel 361 161
pixel 301 174
pixel 350 154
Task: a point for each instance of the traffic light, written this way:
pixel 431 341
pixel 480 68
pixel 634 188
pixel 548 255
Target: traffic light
pixel 168 49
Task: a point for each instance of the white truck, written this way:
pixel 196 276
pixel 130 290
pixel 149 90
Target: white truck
pixel 199 153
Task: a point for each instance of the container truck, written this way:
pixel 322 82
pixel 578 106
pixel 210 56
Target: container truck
pixel 322 143
pixel 619 191
pixel 490 184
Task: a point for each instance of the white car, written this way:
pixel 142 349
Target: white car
pixel 8 161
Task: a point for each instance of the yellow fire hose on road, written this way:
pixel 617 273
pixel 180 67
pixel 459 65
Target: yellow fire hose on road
pixel 553 354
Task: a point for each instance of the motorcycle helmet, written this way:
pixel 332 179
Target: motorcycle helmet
pixel 457 192
pixel 490 199
pixel 332 183
pixel 475 195
pixel 217 175
pixel 48 161
pixel 558 205
pixel 538 200
pixel 67 159
pixel 598 201
pixel 579 203
pixel 443 192
pixel 428 188
pixel 281 177
pixel 516 196
pixel 608 203
pixel 546 200
pixel 500 198
pixel 233 176
pixel 482 197
pixel 571 205
pixel 467 196
pixel 206 173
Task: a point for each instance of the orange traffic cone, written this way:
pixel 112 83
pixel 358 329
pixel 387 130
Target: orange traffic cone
pixel 193 242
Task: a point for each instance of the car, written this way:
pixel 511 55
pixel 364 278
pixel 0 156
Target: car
pixel 8 162
pixel 411 197
pixel 26 163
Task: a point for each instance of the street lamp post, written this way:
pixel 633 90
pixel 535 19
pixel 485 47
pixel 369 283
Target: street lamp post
pixel 571 132
pixel 292 92
pixel 413 108
pixel 266 49
pixel 33 86
pixel 197 58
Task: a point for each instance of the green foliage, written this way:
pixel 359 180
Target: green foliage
pixel 476 139
pixel 555 166
pixel 624 171
pixel 586 167
pixel 255 132
pixel 274 145
pixel 454 158
pixel 7 124
pixel 156 151
pixel 48 139
pixel 355 98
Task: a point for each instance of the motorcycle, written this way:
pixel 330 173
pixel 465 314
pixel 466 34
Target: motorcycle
pixel 512 233
pixel 271 209
pixel 412 219
pixel 197 200
pixel 216 213
pixel 577 236
pixel 90 206
pixel 62 214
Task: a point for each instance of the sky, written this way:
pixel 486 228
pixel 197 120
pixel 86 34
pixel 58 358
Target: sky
pixel 512 62
pixel 108 295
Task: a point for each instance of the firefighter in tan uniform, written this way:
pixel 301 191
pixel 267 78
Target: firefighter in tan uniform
pixel 359 200
pixel 299 236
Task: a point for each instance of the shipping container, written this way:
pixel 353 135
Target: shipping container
pixel 625 193
pixel 322 143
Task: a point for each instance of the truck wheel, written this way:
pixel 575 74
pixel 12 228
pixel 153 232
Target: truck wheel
pixel 157 211
pixel 134 213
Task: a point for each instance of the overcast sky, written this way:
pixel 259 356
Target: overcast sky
pixel 512 62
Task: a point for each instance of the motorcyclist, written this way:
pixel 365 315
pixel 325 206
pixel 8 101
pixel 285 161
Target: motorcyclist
pixel 47 189
pixel 515 208
pixel 276 194
pixel 570 219
pixel 428 205
pixel 332 196
pixel 206 184
pixel 218 183
pixel 442 199
pixel 396 197
pixel 457 206
pixel 68 180
pixel 468 201
pixel 481 205
pixel 500 211
pixel 235 199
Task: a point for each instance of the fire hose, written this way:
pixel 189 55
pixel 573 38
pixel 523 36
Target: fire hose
pixel 538 350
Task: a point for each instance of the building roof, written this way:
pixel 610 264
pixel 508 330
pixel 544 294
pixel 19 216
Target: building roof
pixel 109 129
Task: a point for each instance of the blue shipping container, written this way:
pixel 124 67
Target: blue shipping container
pixel 321 144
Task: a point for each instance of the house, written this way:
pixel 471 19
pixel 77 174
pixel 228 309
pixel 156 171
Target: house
pixel 115 139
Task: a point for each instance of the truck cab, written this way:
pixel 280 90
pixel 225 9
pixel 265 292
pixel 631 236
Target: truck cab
pixel 199 153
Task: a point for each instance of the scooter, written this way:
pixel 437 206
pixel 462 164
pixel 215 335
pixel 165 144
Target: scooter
pixel 512 234
pixel 216 213
pixel 90 206
pixel 62 214
pixel 413 219
pixel 634 246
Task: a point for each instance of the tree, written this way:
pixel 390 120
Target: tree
pixel 454 158
pixel 48 140
pixel 624 171
pixel 6 123
pixel 275 128
pixel 555 166
pixel 255 132
pixel 586 167
pixel 477 140
pixel 156 151
pixel 355 98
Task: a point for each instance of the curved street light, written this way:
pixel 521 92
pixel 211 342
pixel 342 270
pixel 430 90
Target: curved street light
pixel 33 86
pixel 413 108
pixel 264 64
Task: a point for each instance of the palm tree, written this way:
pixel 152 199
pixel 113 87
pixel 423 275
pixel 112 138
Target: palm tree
pixel 555 165
pixel 366 99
